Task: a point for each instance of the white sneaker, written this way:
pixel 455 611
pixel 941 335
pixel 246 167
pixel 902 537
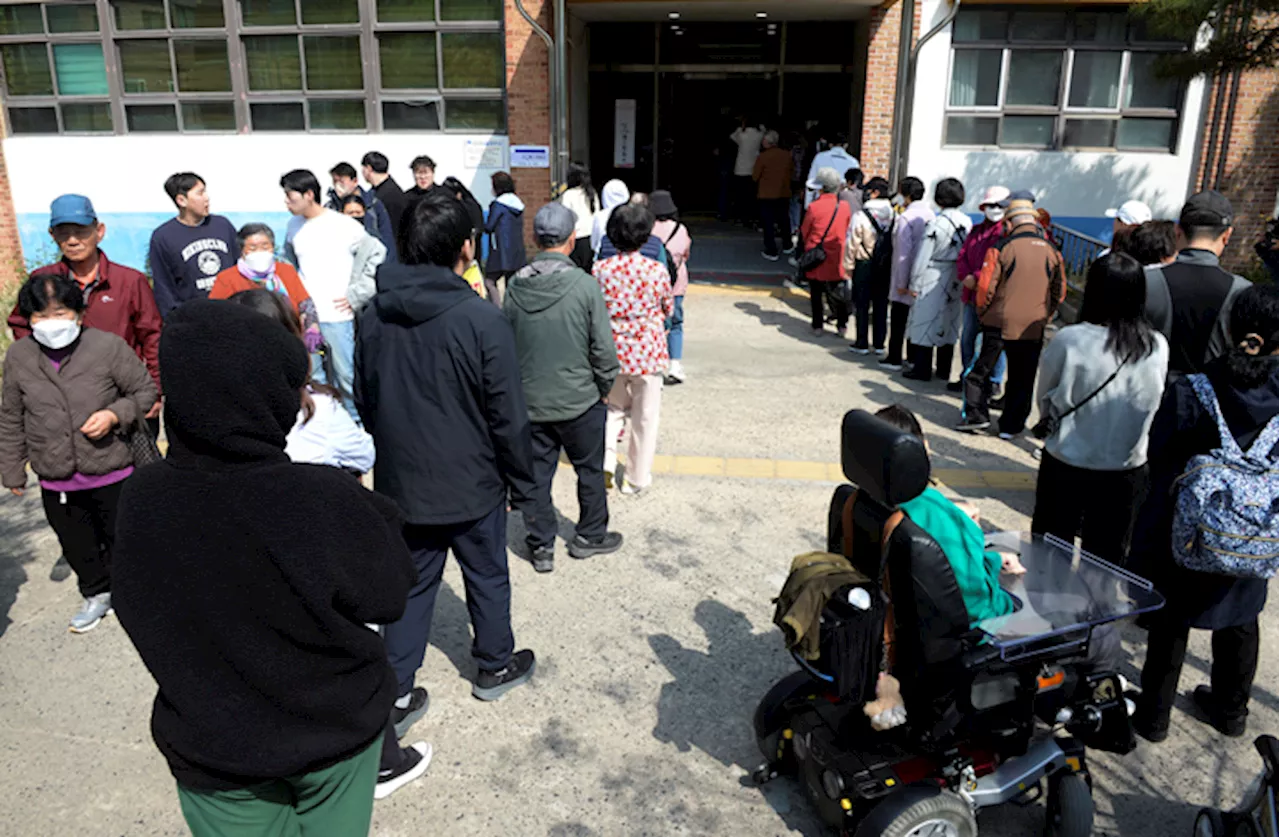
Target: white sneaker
pixel 90 613
pixel 417 759
pixel 1008 437
pixel 630 488
pixel 676 372
pixel 770 258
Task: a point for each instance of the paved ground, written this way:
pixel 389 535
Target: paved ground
pixel 650 661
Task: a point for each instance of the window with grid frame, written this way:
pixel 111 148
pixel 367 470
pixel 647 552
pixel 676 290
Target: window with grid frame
pixel 293 65
pixel 1059 78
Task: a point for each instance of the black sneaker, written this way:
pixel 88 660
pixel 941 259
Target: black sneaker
pixel 491 685
pixel 413 763
pixel 972 426
pixel 580 547
pixel 1208 711
pixel 61 569
pixel 402 719
pixel 996 404
pixel 1146 725
pixel 543 559
pixel 955 386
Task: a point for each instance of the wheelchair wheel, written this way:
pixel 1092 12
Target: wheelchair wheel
pixel 1209 823
pixel 1069 812
pixel 769 718
pixel 920 812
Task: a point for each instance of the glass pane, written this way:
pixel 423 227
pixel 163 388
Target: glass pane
pixel 333 63
pixel 1100 27
pixel 1141 30
pixel 972 130
pixel 475 115
pixel 139 14
pixel 1033 131
pixel 202 66
pixel 88 117
pixel 472 59
pixel 144 67
pixel 330 11
pixel 410 116
pixel 408 59
pixel 82 18
pixel 190 14
pixel 272 62
pixel 21 20
pixel 208 116
pixel 1038 26
pixel 980 26
pixel 336 114
pixel 33 121
pixel 1095 80
pixel 1145 133
pixel 268 12
pixel 975 78
pixel 1146 89
pixel 80 69
pixel 470 10
pixel 1033 77
pixel 26 68
pixel 277 116
pixel 151 118
pixel 406 11
pixel 1089 133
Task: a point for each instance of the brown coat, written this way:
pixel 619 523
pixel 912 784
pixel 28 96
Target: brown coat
pixel 1027 285
pixel 773 174
pixel 43 408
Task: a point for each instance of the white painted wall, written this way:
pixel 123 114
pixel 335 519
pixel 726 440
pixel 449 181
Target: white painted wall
pixel 126 174
pixel 1068 183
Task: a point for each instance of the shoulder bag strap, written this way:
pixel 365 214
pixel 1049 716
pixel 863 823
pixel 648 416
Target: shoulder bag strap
pixel 1209 400
pixel 830 223
pixel 667 240
pixel 846 525
pixel 1260 450
pixel 1093 394
pixel 890 626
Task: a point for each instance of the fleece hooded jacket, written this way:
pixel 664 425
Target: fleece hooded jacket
pixel 246 581
pixel 563 341
pixel 505 226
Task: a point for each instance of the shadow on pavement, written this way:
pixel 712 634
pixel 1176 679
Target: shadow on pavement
pixel 20 523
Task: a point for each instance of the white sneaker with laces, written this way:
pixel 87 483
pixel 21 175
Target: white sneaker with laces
pixel 413 766
pixel 676 371
pixel 90 613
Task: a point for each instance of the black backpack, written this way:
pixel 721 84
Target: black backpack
pixel 881 260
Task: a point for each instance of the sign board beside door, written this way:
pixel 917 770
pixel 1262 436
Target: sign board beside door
pixel 624 134
pixel 530 157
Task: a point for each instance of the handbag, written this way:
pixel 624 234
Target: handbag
pixel 816 255
pixel 1048 424
pixel 142 446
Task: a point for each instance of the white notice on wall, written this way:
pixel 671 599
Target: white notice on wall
pixel 624 134
pixel 485 154
pixel 530 157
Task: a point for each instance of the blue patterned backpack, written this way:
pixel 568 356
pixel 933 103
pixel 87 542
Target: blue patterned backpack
pixel 1228 502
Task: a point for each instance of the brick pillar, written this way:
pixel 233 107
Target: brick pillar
pixel 529 99
pixel 12 266
pixel 884 27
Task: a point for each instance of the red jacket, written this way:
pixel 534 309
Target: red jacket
pixel 120 302
pixel 816 219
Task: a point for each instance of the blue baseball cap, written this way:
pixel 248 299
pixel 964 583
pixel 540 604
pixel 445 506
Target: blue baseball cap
pixel 72 209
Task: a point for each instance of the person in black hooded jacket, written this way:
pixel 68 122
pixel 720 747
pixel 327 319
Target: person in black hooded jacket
pixel 246 581
pixel 438 386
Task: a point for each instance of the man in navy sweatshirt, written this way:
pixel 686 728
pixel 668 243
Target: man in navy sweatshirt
pixel 189 251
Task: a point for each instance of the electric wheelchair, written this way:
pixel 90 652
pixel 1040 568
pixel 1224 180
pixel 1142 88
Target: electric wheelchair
pixel 994 713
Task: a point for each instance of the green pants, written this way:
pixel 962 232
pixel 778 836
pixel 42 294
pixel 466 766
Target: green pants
pixel 334 802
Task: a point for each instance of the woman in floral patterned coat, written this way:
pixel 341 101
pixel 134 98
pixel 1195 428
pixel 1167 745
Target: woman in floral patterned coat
pixel 638 293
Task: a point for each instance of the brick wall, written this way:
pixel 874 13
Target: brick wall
pixel 528 99
pixel 11 262
pixel 882 75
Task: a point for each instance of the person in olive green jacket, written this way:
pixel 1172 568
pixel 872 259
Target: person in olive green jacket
pixel 567 365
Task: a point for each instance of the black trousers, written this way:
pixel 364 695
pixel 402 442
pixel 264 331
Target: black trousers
pixel 85 523
pixel 776 215
pixel 1019 385
pixel 899 312
pixel 817 291
pixel 871 305
pixel 1101 505
pixel 582 255
pixel 582 439
pixel 744 198
pixel 481 549
pixel 921 360
pixel 1235 663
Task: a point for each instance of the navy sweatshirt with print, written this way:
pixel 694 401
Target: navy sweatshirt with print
pixel 185 260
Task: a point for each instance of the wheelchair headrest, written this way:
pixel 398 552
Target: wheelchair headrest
pixel 888 464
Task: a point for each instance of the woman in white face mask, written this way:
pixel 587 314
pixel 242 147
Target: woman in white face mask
pixel 72 397
pixel 258 268
pixel 981 238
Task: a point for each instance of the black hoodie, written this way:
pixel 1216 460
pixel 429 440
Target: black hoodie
pixel 438 385
pixel 244 580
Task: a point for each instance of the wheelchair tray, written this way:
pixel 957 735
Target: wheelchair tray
pixel 1063 594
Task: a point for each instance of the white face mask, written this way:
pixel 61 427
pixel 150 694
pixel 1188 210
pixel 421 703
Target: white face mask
pixel 55 334
pixel 259 261
pixel 994 213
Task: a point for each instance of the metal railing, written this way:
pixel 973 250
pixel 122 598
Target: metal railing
pixel 1078 252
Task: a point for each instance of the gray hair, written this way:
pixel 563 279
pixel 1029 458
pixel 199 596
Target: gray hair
pixel 250 230
pixel 771 137
pixel 829 179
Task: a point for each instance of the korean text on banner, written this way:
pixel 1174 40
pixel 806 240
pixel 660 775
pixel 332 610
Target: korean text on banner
pixel 624 134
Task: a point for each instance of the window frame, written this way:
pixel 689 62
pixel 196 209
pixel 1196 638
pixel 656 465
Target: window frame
pixel 366 30
pixel 1063 112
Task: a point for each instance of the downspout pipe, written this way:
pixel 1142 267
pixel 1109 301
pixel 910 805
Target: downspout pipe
pixel 561 71
pixel 905 31
pixel 554 103
pixel 903 113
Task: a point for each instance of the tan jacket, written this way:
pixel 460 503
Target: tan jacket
pixel 772 173
pixel 43 408
pixel 862 238
pixel 1027 285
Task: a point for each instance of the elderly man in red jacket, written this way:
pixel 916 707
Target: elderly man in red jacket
pixel 119 299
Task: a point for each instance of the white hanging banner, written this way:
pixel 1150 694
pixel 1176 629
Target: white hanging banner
pixel 624 134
